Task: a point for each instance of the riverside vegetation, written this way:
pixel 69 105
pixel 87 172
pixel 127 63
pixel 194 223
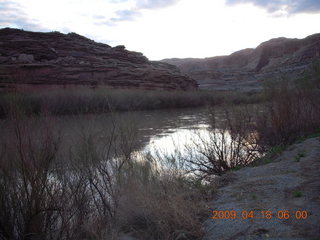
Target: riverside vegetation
pixel 101 100
pixel 96 186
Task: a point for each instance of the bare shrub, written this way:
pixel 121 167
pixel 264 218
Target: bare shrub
pixel 31 201
pixel 161 205
pixel 41 196
pixel 292 111
pixel 130 193
pixel 231 142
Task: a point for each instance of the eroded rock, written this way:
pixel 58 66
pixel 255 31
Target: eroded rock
pixel 249 68
pixel 59 59
pixel 25 58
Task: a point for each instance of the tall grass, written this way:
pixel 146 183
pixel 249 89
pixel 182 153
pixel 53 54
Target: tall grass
pixel 293 111
pixel 86 100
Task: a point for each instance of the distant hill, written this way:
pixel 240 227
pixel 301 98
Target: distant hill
pixel 56 59
pixel 248 68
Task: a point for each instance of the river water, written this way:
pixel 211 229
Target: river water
pixel 165 131
pixel 157 130
pixel 170 131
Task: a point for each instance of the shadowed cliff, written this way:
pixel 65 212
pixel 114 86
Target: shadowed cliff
pixel 58 59
pixel 248 68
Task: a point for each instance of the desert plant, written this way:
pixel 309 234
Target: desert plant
pixel 83 100
pixel 297 194
pixel 31 200
pixel 163 205
pixel 231 143
pixel 292 112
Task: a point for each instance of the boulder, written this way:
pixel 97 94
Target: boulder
pixel 25 58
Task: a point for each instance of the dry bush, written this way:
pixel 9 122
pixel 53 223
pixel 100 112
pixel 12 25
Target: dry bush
pixel 102 159
pixel 292 111
pixel 132 194
pixel 162 204
pixel 231 142
pixel 43 197
pixel 31 198
pixel 83 100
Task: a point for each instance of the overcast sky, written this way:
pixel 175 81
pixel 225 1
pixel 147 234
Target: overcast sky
pixel 168 28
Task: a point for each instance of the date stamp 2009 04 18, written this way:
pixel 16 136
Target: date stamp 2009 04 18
pixel 281 214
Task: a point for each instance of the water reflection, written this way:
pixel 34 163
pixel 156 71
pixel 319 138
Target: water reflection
pixel 178 141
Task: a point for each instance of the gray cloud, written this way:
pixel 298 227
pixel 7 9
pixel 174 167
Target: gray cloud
pixel 122 15
pixel 291 6
pixel 149 4
pixel 152 4
pixel 307 6
pixel 133 13
pixel 126 15
pixel 102 20
pixel 12 15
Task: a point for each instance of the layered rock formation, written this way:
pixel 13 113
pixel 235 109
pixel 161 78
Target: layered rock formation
pixel 249 68
pixel 58 59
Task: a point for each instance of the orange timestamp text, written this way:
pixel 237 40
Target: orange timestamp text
pixel 282 214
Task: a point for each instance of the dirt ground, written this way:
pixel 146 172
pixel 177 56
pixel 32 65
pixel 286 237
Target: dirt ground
pixel 290 183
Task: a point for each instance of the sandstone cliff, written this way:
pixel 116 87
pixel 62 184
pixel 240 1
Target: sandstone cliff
pixel 57 59
pixel 249 68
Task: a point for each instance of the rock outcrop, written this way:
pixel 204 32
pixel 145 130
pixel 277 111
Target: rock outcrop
pixel 249 68
pixel 58 59
pixel 274 188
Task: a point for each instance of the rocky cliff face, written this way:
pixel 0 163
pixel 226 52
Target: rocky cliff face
pixel 70 59
pixel 249 68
